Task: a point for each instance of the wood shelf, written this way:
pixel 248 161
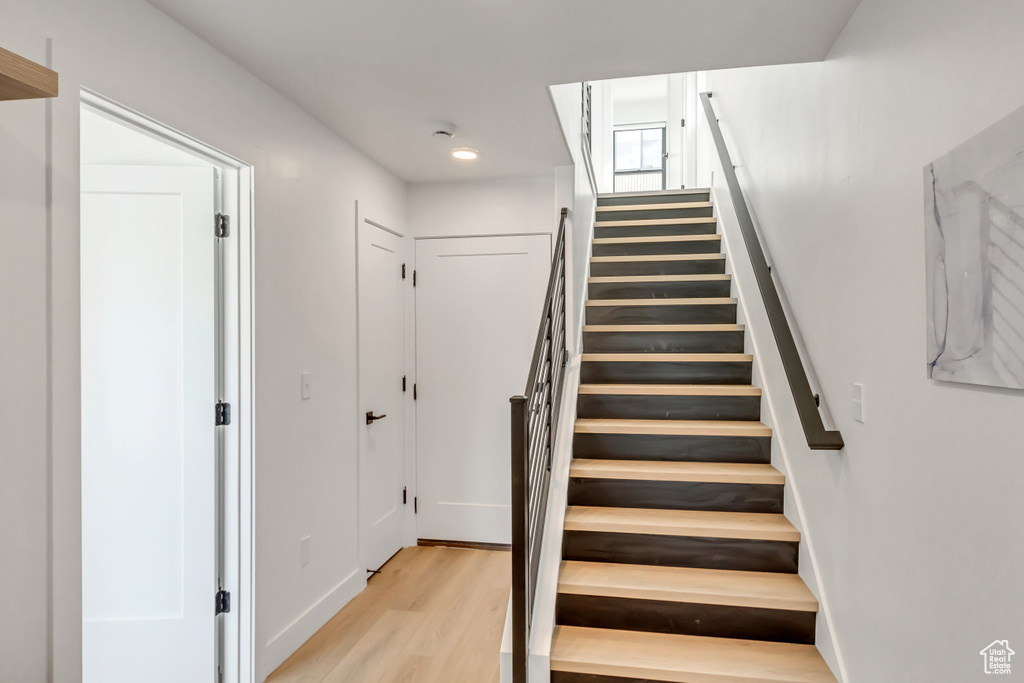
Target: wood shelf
pixel 21 79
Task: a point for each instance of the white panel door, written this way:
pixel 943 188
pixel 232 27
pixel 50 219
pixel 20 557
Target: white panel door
pixel 148 433
pixel 478 306
pixel 381 367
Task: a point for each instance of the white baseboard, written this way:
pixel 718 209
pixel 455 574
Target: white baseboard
pixel 292 636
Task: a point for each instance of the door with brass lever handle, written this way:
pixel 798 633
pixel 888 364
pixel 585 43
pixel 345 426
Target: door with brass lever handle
pixel 371 418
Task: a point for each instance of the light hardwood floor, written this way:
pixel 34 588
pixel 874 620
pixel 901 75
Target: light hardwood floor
pixel 431 615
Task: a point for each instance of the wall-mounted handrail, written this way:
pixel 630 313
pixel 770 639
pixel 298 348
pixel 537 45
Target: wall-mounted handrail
pixel 533 438
pixel 817 436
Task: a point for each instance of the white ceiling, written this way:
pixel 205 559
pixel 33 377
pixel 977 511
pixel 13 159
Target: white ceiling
pixel 384 74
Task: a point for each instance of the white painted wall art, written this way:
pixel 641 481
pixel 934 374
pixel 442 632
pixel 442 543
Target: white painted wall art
pixel 974 240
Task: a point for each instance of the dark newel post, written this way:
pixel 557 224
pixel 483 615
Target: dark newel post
pixel 520 542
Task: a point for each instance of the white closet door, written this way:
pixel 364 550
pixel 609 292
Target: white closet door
pixel 478 306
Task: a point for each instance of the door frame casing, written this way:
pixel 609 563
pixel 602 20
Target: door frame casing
pixel 235 359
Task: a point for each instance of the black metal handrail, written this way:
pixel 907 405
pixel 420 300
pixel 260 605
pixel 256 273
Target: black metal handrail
pixel 534 416
pixel 817 436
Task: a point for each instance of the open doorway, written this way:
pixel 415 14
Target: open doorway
pixel 166 403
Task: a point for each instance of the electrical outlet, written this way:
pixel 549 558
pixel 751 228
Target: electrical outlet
pixel 305 550
pixel 307 385
pixel 858 402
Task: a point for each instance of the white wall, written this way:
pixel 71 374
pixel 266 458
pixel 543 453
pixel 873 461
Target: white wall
pixel 916 523
pixel 496 206
pixel 307 182
pixel 579 227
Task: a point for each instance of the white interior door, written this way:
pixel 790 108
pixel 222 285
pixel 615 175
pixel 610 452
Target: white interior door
pixel 478 306
pixel 381 368
pixel 148 433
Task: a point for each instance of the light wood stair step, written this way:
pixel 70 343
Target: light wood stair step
pixel 704 301
pixel 670 390
pixel 625 279
pixel 667 470
pixel 684 659
pixel 640 222
pixel 674 427
pixel 695 523
pixel 691 327
pixel 763 590
pixel 648 258
pixel 667 357
pixel 655 193
pixel 655 239
pixel 654 207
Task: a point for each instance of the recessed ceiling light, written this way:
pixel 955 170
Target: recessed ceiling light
pixel 466 153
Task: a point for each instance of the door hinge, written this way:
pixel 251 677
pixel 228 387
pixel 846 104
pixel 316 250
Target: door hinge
pixel 222 225
pixel 403 271
pixel 414 391
pixel 414 278
pixel 682 123
pixel 405 497
pixel 223 601
pixel 223 414
pixel 403 382
pixel 415 505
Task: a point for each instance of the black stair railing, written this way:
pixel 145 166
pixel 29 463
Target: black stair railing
pixel 534 416
pixel 817 436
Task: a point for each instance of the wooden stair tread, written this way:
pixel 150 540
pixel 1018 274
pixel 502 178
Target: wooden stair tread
pixel 674 427
pixel 654 207
pixel 700 523
pixel 670 470
pixel 655 193
pixel 641 222
pixel 624 279
pixel 694 327
pixel 655 239
pixel 670 389
pixel 650 258
pixel 764 590
pixel 697 301
pixel 667 357
pixel 684 659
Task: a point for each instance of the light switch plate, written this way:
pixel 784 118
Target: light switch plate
pixel 858 402
pixel 305 550
pixel 307 385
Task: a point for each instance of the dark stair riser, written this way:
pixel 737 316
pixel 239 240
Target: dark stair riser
pixel 667 198
pixel 686 267
pixel 682 551
pixel 665 372
pixel 691 289
pixel 713 246
pixel 693 619
pixel 646 407
pixel 663 342
pixel 655 229
pixel 675 495
pixel 663 314
pixel 656 214
pixel 573 677
pixel 739 449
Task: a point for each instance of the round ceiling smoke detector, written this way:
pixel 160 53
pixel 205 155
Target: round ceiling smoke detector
pixel 465 153
pixel 444 134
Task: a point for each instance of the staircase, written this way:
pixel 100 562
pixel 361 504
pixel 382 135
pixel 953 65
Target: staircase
pixel 678 564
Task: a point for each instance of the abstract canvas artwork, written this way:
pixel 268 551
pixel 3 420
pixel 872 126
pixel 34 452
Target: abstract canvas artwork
pixel 974 240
